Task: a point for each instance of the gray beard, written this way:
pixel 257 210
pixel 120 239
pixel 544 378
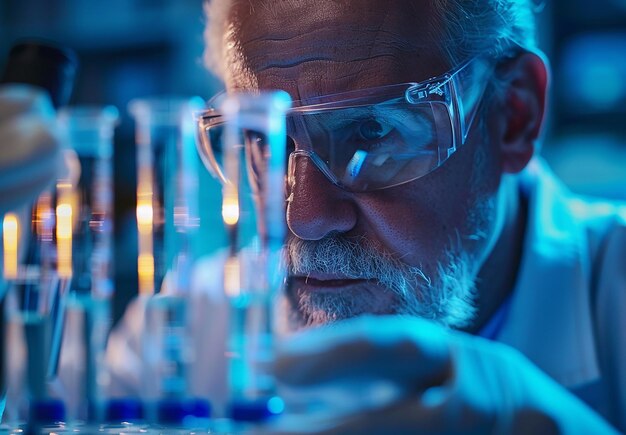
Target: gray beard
pixel 447 298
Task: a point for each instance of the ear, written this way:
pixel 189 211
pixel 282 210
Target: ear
pixel 521 108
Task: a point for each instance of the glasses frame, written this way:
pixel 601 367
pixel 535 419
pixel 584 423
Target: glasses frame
pixel 445 88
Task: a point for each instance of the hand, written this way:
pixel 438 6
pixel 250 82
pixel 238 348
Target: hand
pixel 29 145
pixel 407 375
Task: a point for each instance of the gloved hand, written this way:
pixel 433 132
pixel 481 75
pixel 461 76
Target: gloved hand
pixel 375 375
pixel 30 155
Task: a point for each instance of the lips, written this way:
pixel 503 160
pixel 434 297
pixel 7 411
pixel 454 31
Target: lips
pixel 321 282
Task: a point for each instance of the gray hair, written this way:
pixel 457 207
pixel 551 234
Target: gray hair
pixel 216 12
pixel 471 27
pixel 475 27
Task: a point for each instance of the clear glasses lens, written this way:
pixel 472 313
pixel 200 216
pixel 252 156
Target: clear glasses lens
pixel 359 148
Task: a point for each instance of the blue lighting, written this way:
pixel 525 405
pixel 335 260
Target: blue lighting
pixel 602 85
pixel 592 71
pixel 276 405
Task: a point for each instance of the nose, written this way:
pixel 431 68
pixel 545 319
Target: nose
pixel 316 207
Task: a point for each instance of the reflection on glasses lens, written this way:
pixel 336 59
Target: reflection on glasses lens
pixel 361 148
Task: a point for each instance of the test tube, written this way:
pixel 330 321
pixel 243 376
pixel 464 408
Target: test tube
pixel 84 243
pixel 28 303
pixel 167 222
pixel 37 273
pixel 89 133
pixel 167 214
pixel 253 273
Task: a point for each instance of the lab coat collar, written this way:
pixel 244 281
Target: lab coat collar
pixel 549 319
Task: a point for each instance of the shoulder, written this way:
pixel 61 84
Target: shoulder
pixel 566 219
pixel 604 222
pixel 607 233
pixel 599 212
pixel 590 230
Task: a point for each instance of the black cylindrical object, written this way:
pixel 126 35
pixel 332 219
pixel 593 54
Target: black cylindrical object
pixel 44 65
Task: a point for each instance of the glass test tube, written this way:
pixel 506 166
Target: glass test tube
pixel 253 274
pixel 32 286
pixel 37 280
pixel 167 220
pixel 88 131
pixel 167 212
pixel 37 272
pixel 29 300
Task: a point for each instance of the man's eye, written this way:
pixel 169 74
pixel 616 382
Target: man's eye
pixel 373 130
pixel 256 139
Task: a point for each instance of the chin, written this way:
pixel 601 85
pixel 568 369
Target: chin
pixel 316 308
pixel 449 299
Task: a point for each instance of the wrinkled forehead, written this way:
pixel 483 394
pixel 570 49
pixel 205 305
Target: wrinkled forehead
pixel 313 48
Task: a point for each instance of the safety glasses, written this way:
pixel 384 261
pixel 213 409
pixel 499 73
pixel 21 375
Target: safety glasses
pixel 369 139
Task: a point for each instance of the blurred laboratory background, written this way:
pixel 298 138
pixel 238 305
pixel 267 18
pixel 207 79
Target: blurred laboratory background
pixel 138 48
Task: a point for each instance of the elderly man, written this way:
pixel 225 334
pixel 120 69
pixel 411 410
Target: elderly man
pixel 420 224
pixel 413 192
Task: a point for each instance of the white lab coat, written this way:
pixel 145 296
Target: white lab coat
pixel 568 309
pixel 567 313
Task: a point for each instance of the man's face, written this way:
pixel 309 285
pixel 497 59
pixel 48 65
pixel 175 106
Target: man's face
pixel 415 248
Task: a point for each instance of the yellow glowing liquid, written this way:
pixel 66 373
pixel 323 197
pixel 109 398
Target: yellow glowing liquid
pixel 10 233
pixel 232 283
pixel 230 210
pixel 145 219
pixel 64 239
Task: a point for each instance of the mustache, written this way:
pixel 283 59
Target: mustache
pixel 353 258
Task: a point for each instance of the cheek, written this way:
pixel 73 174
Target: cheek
pixel 483 219
pixel 450 209
pixel 474 204
pixel 416 227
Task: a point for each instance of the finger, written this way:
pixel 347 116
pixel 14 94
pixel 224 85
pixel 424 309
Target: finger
pixel 19 172
pixel 16 193
pixel 414 414
pixel 342 398
pixel 17 98
pixel 26 139
pixel 413 417
pixel 410 417
pixel 407 350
